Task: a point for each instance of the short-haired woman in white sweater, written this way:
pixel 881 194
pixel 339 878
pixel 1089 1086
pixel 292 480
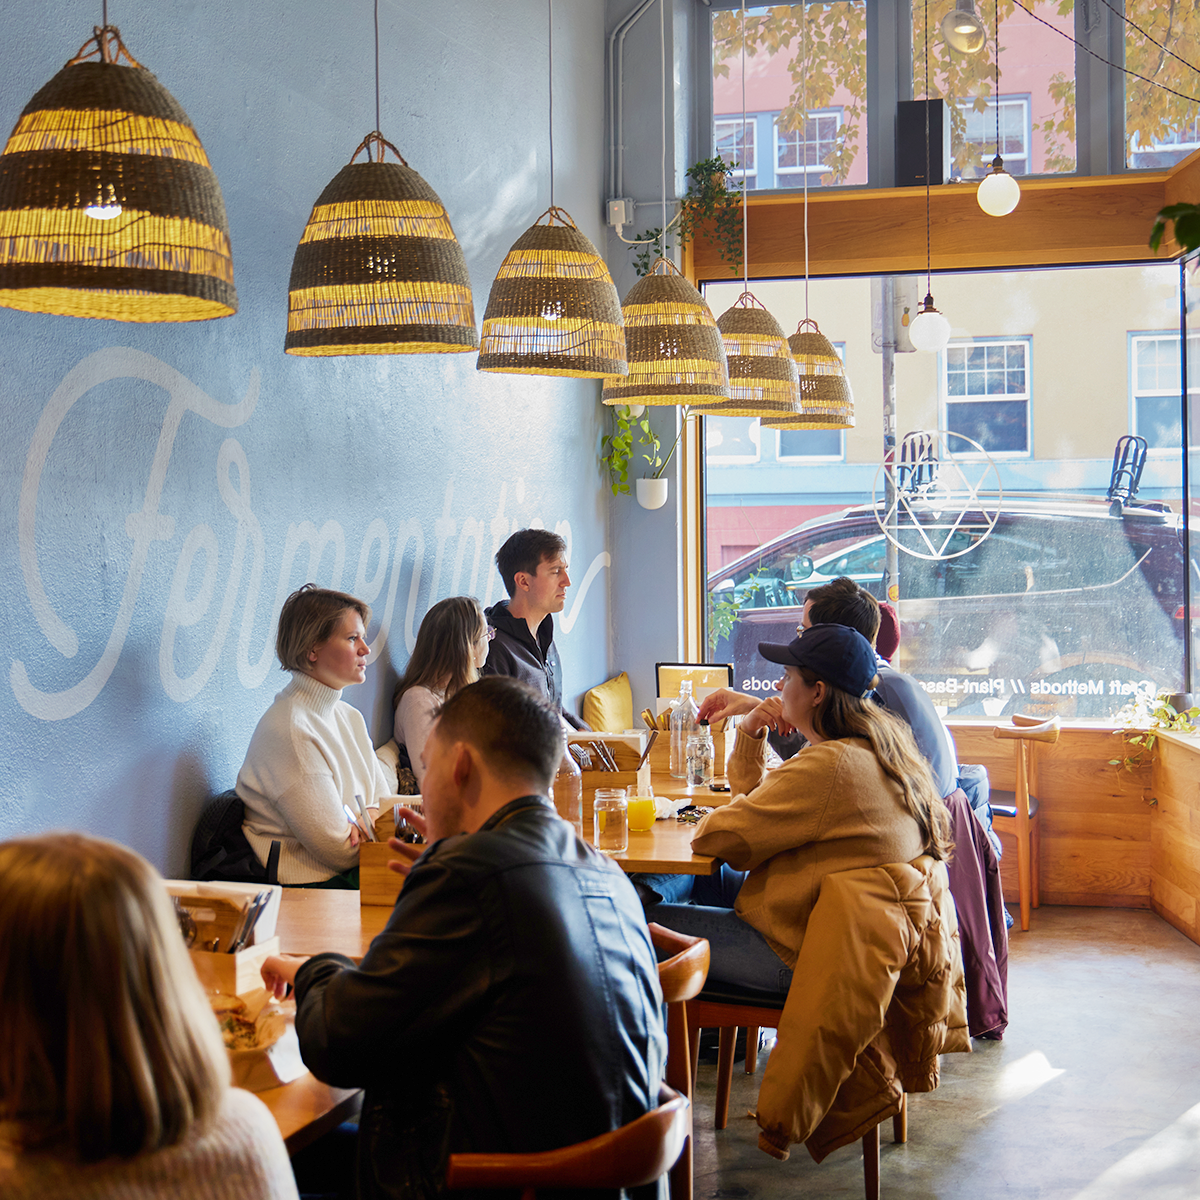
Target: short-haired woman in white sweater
pixel 311 753
pixel 452 644
pixel 114 1082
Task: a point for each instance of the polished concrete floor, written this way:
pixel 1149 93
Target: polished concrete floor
pixel 1094 1094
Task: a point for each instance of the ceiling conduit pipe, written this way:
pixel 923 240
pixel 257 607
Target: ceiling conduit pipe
pixel 616 98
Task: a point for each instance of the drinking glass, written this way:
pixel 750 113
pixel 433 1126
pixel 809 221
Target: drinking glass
pixel 641 810
pixel 610 817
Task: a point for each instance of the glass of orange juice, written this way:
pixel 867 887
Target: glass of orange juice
pixel 641 812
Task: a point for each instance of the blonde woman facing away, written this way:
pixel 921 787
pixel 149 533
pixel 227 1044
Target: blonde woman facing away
pixel 310 754
pixel 452 644
pixel 114 1081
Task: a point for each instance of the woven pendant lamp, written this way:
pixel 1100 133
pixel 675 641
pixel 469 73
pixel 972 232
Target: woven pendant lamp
pixel 108 205
pixel 825 398
pixel 762 372
pixel 378 269
pixel 676 354
pixel 553 309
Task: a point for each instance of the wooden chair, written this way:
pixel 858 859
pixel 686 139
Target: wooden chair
pixel 681 977
pixel 635 1154
pixel 727 1009
pixel 1016 812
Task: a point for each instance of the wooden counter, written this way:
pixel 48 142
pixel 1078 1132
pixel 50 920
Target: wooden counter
pixel 1175 832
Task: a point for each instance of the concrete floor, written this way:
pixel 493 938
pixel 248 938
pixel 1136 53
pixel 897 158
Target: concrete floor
pixel 1094 1094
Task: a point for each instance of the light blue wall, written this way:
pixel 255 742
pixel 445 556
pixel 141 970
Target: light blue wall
pixel 128 698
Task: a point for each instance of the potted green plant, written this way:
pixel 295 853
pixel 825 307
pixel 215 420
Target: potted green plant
pixel 1144 718
pixel 709 200
pixel 633 437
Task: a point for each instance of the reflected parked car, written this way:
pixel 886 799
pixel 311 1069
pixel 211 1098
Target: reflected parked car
pixel 1067 606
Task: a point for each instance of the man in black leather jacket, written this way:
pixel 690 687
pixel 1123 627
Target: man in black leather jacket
pixel 512 1001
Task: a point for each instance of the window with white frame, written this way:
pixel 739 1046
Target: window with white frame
pixel 985 386
pixel 1015 134
pixel 1155 383
pixel 731 440
pixel 734 140
pixel 805 151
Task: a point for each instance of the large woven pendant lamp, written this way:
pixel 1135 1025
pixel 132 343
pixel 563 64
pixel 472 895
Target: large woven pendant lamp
pixel 826 401
pixel 108 205
pixel 553 308
pixel 675 350
pixel 762 372
pixel 378 269
pixel 825 398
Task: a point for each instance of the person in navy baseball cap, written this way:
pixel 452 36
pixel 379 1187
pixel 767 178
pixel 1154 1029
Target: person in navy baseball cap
pixel 835 653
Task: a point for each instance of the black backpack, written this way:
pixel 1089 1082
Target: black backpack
pixel 220 849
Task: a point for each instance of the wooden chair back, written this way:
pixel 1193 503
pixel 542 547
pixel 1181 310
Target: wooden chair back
pixel 681 977
pixel 635 1154
pixel 1024 825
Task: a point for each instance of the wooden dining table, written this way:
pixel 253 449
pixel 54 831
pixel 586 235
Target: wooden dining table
pixel 314 920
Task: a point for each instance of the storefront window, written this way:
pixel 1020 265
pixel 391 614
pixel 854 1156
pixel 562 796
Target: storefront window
pixel 1037 87
pixel 1022 586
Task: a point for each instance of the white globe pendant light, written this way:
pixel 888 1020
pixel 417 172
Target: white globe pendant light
pixel 999 193
pixel 929 331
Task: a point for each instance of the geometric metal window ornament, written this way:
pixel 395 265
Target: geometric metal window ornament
pixel 762 371
pixel 946 495
pixel 378 269
pixel 108 205
pixel 826 401
pixel 675 351
pixel 553 308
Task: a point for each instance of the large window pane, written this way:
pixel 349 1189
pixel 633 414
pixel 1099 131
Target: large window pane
pixel 805 94
pixel 1035 101
pixel 1045 599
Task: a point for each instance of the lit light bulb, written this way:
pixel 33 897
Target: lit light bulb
pixel 104 207
pixel 963 30
pixel 929 331
pixel 998 192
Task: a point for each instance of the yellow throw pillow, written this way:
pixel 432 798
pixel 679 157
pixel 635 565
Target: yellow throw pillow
pixel 608 707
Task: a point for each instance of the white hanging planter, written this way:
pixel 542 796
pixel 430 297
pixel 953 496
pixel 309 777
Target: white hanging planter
pixel 652 493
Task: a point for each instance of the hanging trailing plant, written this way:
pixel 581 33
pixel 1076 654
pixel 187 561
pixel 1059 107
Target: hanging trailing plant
pixel 633 437
pixel 709 201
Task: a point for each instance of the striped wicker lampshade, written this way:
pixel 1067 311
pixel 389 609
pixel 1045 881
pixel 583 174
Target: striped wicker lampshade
pixel 378 269
pixel 676 355
pixel 825 398
pixel 762 372
pixel 553 309
pixel 108 205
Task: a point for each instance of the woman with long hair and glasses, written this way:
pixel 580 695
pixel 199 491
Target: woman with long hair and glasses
pixel 113 1077
pixel 311 757
pixel 858 795
pixel 452 645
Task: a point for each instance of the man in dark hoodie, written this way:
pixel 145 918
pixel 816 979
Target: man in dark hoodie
pixel 533 566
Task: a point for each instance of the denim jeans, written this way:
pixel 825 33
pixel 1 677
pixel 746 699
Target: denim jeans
pixel 739 954
pixel 719 890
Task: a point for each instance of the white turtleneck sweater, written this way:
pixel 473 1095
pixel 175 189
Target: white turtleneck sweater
pixel 309 755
